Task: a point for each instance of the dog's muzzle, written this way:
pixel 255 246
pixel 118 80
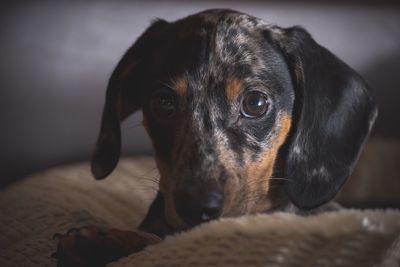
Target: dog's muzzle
pixel 198 205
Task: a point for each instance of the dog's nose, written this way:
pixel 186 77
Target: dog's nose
pixel 198 208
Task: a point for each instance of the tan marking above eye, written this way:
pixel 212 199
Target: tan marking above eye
pixel 233 88
pixel 179 85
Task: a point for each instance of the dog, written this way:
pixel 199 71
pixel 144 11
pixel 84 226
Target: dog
pixel 245 117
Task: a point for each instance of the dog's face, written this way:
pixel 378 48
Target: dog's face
pixel 227 101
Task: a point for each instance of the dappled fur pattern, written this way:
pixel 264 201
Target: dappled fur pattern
pixel 214 160
pixel 319 115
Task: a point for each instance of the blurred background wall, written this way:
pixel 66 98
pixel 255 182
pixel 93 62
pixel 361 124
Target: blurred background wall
pixel 56 58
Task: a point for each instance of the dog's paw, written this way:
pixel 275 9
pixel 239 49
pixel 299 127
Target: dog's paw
pixel 90 246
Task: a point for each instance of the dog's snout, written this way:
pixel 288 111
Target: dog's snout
pixel 197 208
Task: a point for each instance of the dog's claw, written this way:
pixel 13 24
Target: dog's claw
pixel 57 236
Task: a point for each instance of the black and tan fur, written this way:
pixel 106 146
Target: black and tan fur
pixel 319 114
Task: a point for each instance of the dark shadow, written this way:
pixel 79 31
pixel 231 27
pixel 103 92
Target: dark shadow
pixel 384 78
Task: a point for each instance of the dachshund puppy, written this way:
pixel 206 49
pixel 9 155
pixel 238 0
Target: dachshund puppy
pixel 245 117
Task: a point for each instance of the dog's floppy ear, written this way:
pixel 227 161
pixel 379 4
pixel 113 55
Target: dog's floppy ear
pixel 122 99
pixel 333 114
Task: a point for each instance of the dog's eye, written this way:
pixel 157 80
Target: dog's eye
pixel 254 104
pixel 163 104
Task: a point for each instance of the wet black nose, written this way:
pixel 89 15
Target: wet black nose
pixel 197 208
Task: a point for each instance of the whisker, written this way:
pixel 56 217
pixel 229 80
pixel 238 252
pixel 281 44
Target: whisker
pixel 154 169
pixel 166 85
pixel 279 178
pixel 151 179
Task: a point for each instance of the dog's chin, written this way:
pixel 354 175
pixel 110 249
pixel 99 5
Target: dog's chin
pixel 176 223
pixel 173 219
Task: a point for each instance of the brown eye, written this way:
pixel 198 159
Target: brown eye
pixel 163 104
pixel 254 104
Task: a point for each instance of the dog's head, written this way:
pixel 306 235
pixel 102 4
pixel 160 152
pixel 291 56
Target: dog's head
pixel 229 101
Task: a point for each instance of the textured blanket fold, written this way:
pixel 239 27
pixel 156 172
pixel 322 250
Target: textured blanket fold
pixel 31 211
pixel 345 238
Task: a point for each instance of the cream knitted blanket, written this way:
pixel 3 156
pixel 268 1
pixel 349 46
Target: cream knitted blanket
pixel 31 211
